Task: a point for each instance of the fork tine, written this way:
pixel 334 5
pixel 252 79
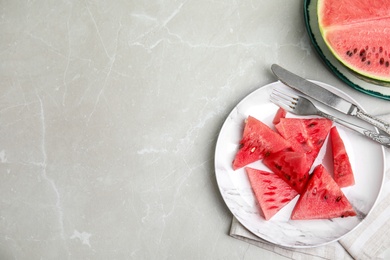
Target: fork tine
pixel 283 100
pixel 286 94
pixel 283 103
pixel 280 104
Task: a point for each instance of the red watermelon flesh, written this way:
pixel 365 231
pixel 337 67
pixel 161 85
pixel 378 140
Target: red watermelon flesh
pixel 281 113
pixel 257 141
pixel 290 166
pixel 305 135
pixel 342 170
pixel 322 199
pixel 271 192
pixel 357 33
pixel 346 12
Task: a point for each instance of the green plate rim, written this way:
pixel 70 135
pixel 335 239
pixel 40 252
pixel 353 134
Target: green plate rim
pixel 333 69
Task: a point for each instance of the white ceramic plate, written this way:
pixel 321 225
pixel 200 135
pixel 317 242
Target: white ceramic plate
pixel 367 159
pixel 311 22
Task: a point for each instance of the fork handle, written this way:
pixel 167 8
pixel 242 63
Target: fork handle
pixel 380 138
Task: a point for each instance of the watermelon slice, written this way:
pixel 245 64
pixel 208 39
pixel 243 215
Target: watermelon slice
pixel 305 135
pixel 257 141
pixel 271 192
pixel 290 166
pixel 281 113
pixel 342 170
pixel 357 33
pixel 322 199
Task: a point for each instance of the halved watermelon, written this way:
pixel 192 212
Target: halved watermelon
pixel 291 166
pixel 357 33
pixel 257 141
pixel 271 192
pixel 305 135
pixel 342 170
pixel 322 199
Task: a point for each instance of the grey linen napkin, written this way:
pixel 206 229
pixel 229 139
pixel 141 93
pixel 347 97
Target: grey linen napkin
pixel 371 240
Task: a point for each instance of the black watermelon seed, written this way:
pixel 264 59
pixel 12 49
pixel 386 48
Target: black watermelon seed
pixel 381 61
pixel 363 59
pixel 380 49
pixel 355 50
pixel 368 62
pixel 387 64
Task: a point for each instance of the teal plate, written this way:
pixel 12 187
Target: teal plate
pixel 311 22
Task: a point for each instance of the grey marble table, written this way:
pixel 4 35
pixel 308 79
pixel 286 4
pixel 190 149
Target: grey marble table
pixel 109 115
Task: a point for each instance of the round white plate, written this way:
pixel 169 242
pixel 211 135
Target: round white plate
pixel 311 22
pixel 367 159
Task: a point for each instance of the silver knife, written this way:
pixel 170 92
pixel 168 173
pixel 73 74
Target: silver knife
pixel 326 97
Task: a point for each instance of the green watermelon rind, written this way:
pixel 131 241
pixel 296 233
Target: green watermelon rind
pixel 361 74
pixel 384 81
pixel 311 24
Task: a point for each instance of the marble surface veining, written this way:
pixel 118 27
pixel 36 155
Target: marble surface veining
pixel 109 115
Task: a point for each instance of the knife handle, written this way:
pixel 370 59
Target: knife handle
pixel 379 138
pixel 382 125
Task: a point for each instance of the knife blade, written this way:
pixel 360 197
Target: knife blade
pixel 326 97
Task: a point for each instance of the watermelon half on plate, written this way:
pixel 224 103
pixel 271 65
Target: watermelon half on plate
pixel 357 33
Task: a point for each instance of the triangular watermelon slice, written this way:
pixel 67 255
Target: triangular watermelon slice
pixel 257 141
pixel 342 170
pixel 281 113
pixel 322 199
pixel 305 135
pixel 291 167
pixel 271 192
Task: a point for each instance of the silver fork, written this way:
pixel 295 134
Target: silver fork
pixel 300 105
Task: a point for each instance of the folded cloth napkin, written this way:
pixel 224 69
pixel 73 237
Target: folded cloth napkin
pixel 371 240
